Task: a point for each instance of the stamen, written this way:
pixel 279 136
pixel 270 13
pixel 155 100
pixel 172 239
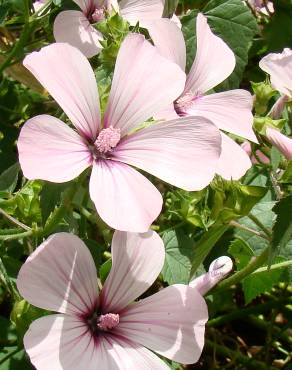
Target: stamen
pixel 185 102
pixel 98 15
pixel 108 139
pixel 108 321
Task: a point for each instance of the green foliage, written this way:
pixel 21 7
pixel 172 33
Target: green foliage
pixel 282 229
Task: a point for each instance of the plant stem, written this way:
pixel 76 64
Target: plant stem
pixel 12 219
pixel 274 267
pixel 10 354
pixel 247 270
pixel 245 228
pixel 25 234
pixel 260 225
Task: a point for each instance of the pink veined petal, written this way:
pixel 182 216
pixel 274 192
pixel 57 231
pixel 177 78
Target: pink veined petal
pixel 234 161
pixel 67 75
pixel 85 5
pixel 141 10
pixel 144 82
pixel 214 60
pixel 125 355
pixel 170 322
pixel 63 342
pixel 167 114
pixel 50 150
pixel 229 110
pixel 279 67
pixel 218 270
pixel 280 141
pixel 73 27
pixel 182 152
pixel 124 198
pixel 169 40
pixel 60 275
pixel 137 260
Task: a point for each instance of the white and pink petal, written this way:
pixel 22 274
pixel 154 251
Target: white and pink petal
pixel 214 60
pixel 60 275
pixel 182 152
pixel 50 150
pixel 170 323
pixel 67 75
pixel 144 83
pixel 124 199
pixel 137 260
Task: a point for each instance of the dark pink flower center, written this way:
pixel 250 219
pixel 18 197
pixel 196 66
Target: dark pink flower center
pixel 185 102
pixel 108 321
pixel 107 139
pixel 97 15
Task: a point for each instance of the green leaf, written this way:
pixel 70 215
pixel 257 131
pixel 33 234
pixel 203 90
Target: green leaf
pixel 13 358
pixel 241 252
pixel 50 197
pixel 179 251
pixel 4 8
pixel 287 175
pixel 8 179
pixel 105 270
pixel 282 230
pixel 169 8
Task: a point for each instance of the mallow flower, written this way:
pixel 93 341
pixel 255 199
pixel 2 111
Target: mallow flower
pixel 230 110
pixel 279 67
pixel 109 330
pixel 76 27
pixel 282 142
pixel 182 152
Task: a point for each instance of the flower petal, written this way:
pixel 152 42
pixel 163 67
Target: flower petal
pixel 280 141
pixel 50 150
pixel 279 67
pixel 218 270
pixel 182 152
pixel 169 40
pixel 234 161
pixel 137 260
pixel 126 355
pixel 84 5
pixel 135 11
pixel 229 110
pixel 67 75
pixel 60 275
pixel 170 322
pixel 123 197
pixel 144 82
pixel 214 60
pixel 73 27
pixel 63 342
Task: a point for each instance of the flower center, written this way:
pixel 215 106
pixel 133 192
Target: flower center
pixel 97 15
pixel 107 139
pixel 99 323
pixel 184 103
pixel 108 321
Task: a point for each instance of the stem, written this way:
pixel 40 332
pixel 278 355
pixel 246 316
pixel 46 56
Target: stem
pixel 12 219
pixel 274 267
pixel 6 280
pixel 245 228
pixel 10 354
pixel 247 270
pixel 260 225
pixel 25 234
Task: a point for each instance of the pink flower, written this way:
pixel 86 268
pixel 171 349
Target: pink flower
pixel 110 331
pixel 75 27
pixel 183 152
pixel 260 155
pixel 280 141
pixel 229 110
pixel 37 5
pixel 279 67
